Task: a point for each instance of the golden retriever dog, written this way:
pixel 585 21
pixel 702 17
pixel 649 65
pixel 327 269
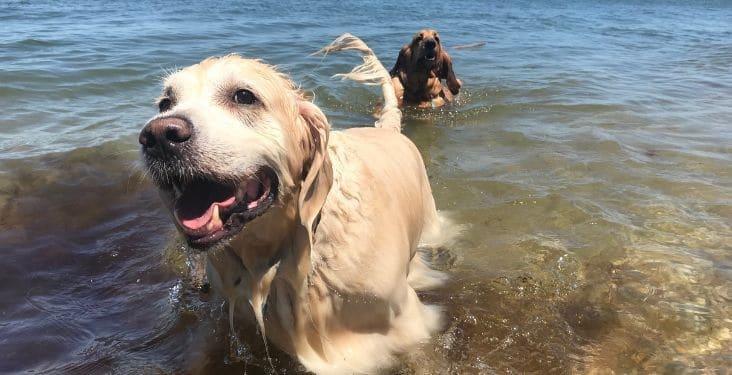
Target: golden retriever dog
pixel 419 70
pixel 310 234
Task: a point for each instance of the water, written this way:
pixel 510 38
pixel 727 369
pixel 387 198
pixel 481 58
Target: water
pixel 589 162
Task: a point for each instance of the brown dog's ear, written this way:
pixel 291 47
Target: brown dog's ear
pixel 448 74
pixel 405 54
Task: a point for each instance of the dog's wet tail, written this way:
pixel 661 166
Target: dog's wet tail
pixel 371 72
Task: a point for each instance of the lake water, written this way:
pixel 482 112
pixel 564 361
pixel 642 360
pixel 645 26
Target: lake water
pixel 587 164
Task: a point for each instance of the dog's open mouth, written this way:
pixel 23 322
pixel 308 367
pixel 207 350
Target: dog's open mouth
pixel 208 211
pixel 430 55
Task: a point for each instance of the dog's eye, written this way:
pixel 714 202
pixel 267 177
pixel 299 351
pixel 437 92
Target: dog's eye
pixel 164 104
pixel 244 97
pixel 419 38
pixel 437 39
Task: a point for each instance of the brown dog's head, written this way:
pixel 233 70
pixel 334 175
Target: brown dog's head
pixel 426 47
pixel 423 55
pixel 236 148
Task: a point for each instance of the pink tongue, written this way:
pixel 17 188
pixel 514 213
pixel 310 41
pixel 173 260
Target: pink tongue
pixel 198 222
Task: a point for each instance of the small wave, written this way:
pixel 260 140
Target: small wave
pixel 34 42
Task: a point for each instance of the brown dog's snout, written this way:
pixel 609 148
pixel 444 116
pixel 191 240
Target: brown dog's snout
pixel 430 43
pixel 165 133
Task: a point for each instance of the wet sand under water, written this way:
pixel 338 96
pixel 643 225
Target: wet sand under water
pixel 574 292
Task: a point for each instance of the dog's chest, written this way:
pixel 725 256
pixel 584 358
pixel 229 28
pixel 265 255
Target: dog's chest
pixel 422 85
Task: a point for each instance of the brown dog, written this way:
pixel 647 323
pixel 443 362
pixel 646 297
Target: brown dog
pixel 418 72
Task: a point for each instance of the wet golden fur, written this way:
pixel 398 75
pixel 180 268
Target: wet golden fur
pixel 329 272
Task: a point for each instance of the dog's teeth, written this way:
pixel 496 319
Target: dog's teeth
pixel 215 223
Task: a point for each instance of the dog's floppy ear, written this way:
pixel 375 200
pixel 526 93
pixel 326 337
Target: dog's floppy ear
pixel 405 55
pixel 317 176
pixel 448 74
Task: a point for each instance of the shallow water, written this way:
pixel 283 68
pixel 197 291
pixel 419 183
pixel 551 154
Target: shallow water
pixel 587 164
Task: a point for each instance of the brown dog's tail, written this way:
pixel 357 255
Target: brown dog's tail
pixel 371 72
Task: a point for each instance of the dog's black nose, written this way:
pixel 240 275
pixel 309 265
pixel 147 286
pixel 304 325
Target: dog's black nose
pixel 165 133
pixel 431 43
